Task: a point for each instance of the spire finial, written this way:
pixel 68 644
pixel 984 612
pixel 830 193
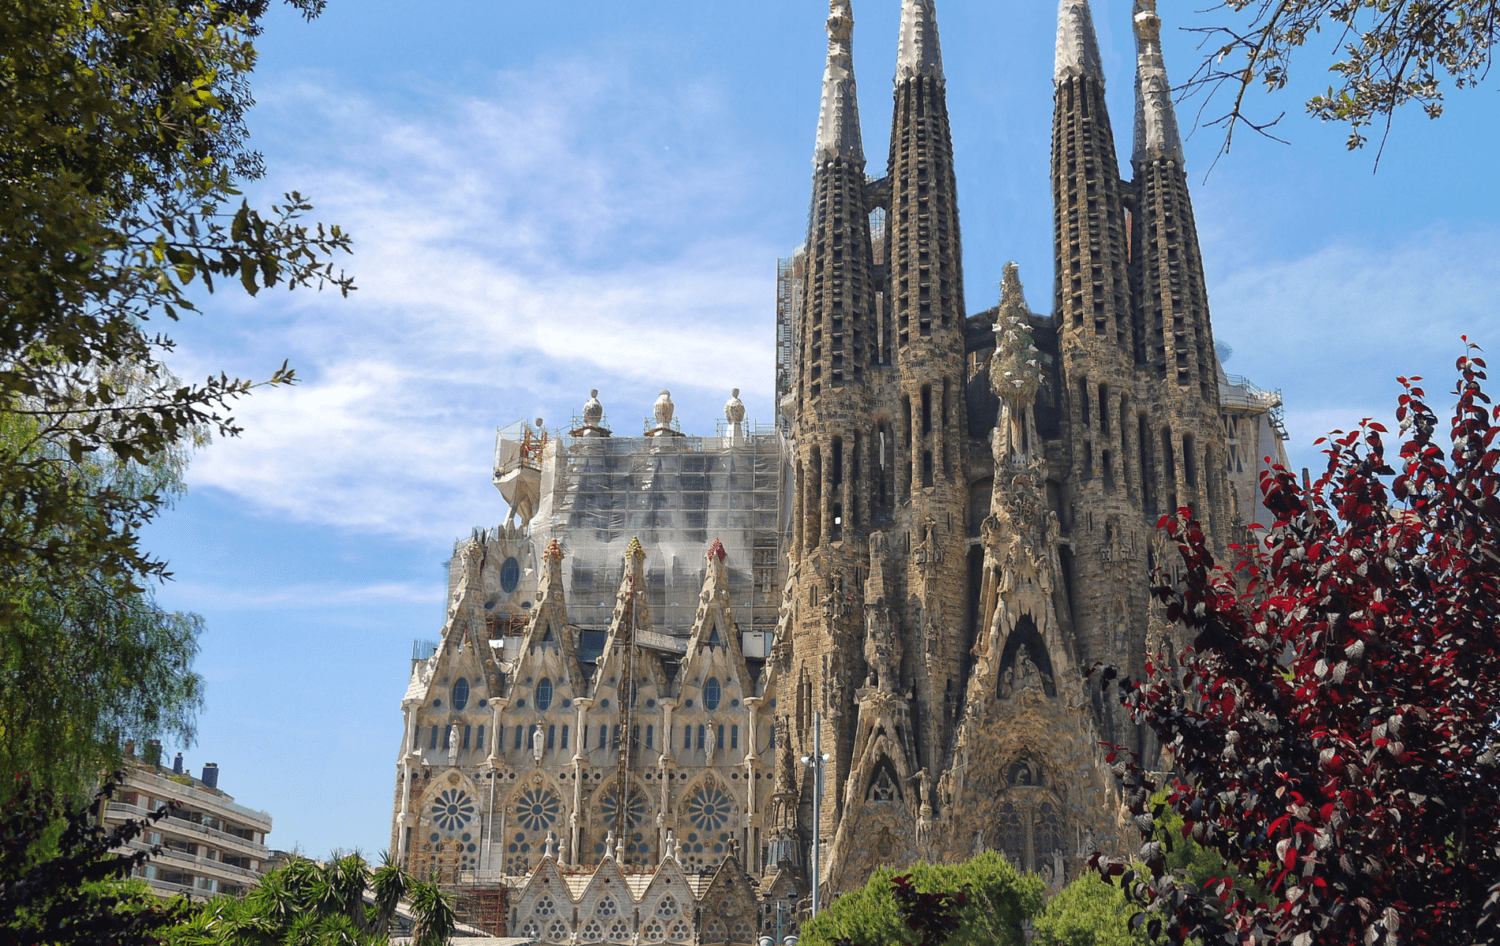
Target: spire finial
pixel 838 121
pixel 919 53
pixel 1156 134
pixel 1077 46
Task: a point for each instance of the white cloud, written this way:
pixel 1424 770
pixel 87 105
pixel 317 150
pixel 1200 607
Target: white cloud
pixel 513 250
pixel 190 596
pixel 1335 328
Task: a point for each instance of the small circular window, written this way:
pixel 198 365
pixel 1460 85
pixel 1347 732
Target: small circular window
pixel 510 574
pixel 544 694
pixel 460 694
pixel 712 693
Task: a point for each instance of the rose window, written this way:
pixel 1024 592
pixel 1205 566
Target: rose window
pixel 558 932
pixel 710 809
pixel 546 907
pixel 654 932
pixel 679 931
pixel 593 931
pixel 666 907
pixel 607 908
pixel 742 932
pixel 637 848
pixel 531 930
pixel 537 809
pixel 714 932
pixel 453 810
pixel 619 931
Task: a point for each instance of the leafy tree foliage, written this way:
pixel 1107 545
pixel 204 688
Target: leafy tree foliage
pixel 310 904
pixel 1087 912
pixel 982 901
pixel 88 663
pixel 1334 724
pixel 60 883
pixel 122 145
pixel 1393 52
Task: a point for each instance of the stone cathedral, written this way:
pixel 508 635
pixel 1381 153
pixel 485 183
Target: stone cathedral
pixel 950 521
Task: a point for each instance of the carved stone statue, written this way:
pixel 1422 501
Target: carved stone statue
pixel 593 411
pixel 734 411
pixel 663 409
pixel 453 744
pixel 710 741
pixel 882 648
pixel 537 745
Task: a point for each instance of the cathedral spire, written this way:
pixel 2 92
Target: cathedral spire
pixel 1077 47
pixel 1156 134
pixel 919 53
pixel 838 120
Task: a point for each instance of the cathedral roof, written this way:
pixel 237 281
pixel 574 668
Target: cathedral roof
pixel 838 119
pixel 1077 46
pixel 1156 133
pixel 919 53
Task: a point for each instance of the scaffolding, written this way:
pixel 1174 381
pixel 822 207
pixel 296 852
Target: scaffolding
pixel 789 284
pixel 677 495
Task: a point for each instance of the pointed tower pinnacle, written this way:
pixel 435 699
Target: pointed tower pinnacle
pixel 1156 134
pixel 1077 47
pixel 919 53
pixel 838 120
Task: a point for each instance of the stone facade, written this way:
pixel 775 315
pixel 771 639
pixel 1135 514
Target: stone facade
pixel 951 522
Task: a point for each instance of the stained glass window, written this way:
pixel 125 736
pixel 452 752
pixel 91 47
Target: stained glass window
pixel 712 693
pixel 537 809
pixel 543 694
pixel 460 693
pixel 510 574
pixel 453 810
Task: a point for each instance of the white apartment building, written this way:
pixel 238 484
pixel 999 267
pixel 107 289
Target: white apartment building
pixel 210 845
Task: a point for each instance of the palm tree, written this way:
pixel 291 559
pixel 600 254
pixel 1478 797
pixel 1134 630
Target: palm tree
pixel 343 903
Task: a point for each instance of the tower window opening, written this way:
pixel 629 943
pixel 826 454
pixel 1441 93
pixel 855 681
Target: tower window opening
pixel 837 477
pixel 1088 460
pixel 926 410
pixel 1083 403
pixel 927 468
pixel 1104 409
pixel 1189 461
pixel 1109 472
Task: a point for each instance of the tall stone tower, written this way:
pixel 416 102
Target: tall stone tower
pixel 833 439
pixel 927 307
pixel 1097 341
pixel 1175 336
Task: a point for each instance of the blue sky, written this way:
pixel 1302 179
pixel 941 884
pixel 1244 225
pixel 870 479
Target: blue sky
pixel 548 198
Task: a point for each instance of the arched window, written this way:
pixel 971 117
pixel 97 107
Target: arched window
pixel 543 694
pixel 460 694
pixel 510 575
pixel 712 693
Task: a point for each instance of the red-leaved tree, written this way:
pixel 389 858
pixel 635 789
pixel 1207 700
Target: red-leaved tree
pixel 1332 727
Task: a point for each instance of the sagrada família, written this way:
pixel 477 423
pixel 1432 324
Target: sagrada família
pixel 897 587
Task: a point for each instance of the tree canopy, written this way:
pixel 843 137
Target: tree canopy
pixel 122 149
pixel 996 901
pixel 1333 723
pixel 1390 53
